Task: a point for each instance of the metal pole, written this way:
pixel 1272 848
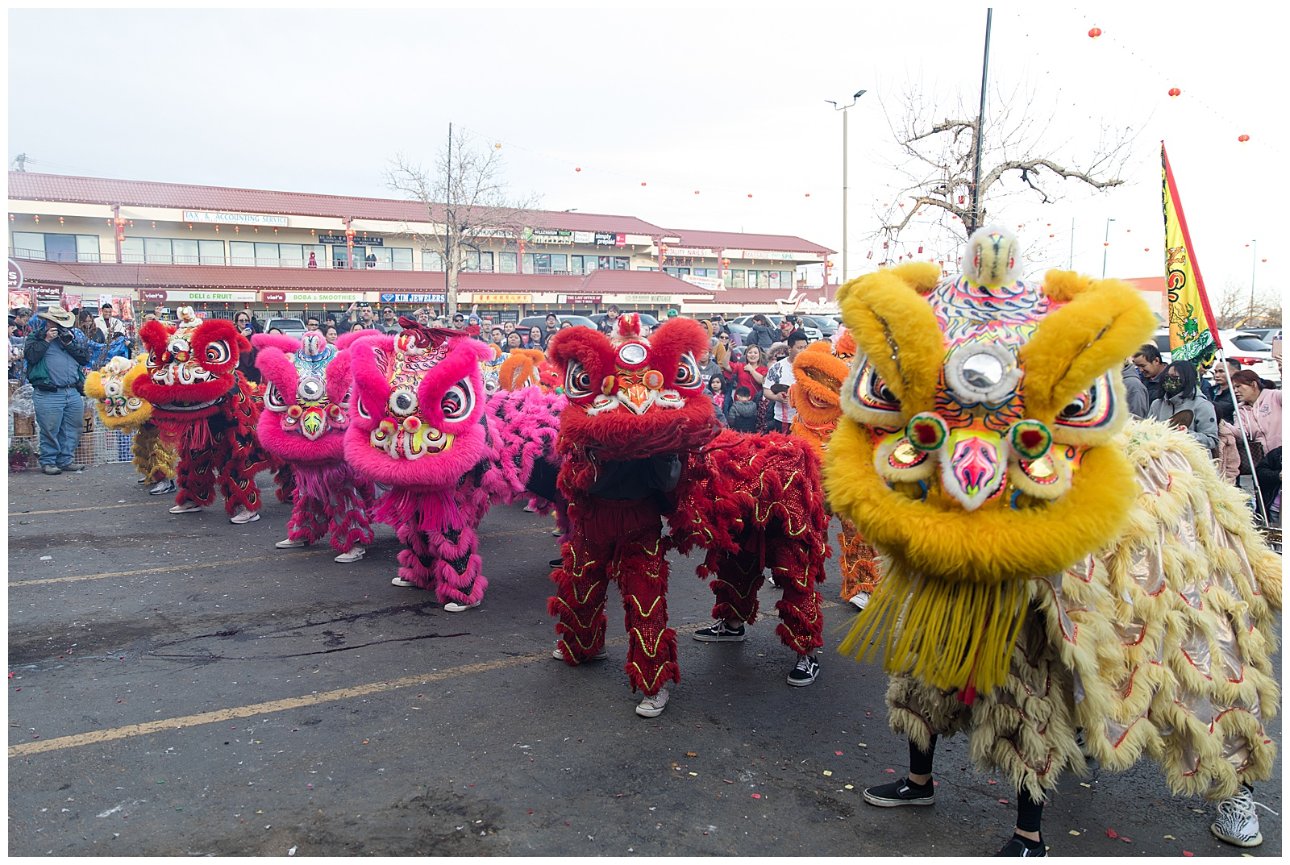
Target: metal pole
pixel 844 204
pixel 1070 262
pixel 1254 263
pixel 448 294
pixel 1106 243
pixel 975 215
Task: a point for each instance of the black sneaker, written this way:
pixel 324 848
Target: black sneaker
pixel 1018 846
pixel 555 563
pixel 804 673
pixel 73 468
pixel 899 793
pixel 719 632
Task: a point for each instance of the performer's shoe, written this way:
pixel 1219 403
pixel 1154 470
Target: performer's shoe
pixel 719 632
pixel 244 516
pixel 454 607
pixel 186 508
pixel 529 509
pixel 160 488
pixel 1237 822
pixel 356 552
pixel 653 704
pixel 805 671
pixel 402 583
pixel 899 793
pixel 289 544
pixel 860 601
pixel 555 563
pixel 1018 846
pixel 559 655
pixel 141 481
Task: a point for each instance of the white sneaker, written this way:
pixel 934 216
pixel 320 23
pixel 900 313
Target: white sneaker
pixel 454 607
pixel 355 553
pixel 529 509
pixel 652 705
pixel 244 516
pixel 186 508
pixel 160 488
pixel 402 583
pixel 1237 821
pixel 288 544
pixel 860 601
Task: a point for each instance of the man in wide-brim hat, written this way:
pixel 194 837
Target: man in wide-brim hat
pixel 56 354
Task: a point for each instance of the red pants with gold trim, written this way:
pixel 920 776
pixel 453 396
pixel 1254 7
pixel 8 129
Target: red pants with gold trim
pixel 619 541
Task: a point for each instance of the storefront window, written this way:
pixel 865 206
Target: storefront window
pixel 156 250
pixel 28 245
pixel 185 251
pixel 401 258
pixel 211 251
pixel 241 253
pixel 507 262
pixel 132 250
pixel 431 260
pixel 87 248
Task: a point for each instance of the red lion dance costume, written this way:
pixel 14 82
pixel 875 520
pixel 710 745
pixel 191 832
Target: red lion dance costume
pixel 306 412
pixel 639 441
pixel 818 373
pixel 204 406
pixel 420 426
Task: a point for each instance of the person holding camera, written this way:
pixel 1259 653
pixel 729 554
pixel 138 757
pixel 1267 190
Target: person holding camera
pixel 56 354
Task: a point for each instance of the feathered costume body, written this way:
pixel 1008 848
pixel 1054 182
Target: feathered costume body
pixel 306 411
pixel 1049 567
pixel 207 410
pixel 120 408
pixel 818 373
pixel 420 425
pixel 639 443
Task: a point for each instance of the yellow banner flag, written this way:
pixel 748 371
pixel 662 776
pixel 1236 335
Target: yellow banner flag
pixel 1193 334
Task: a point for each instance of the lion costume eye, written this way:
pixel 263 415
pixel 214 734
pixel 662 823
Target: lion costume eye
pixel 1091 409
pixel 577 381
pixel 687 374
pixel 867 398
pixel 218 352
pixel 357 403
pixel 872 392
pixel 273 400
pixel 458 402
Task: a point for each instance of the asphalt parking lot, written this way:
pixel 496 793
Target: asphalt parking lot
pixel 178 687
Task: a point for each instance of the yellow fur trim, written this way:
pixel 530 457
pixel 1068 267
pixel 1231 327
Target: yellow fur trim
pixel 1095 332
pixel 1062 286
pixel 896 329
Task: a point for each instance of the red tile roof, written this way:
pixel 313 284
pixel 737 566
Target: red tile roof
pixel 34 186
pixel 601 282
pixel 735 240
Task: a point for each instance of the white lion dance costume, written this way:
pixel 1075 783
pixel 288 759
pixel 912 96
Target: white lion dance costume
pixel 1050 565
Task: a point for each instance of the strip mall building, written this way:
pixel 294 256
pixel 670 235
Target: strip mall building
pixel 80 240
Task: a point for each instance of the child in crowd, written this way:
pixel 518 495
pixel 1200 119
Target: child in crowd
pixel 717 392
pixel 741 415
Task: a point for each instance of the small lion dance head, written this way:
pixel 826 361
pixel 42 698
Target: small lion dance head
pixel 306 397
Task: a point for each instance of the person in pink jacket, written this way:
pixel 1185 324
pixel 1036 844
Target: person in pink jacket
pixel 1260 408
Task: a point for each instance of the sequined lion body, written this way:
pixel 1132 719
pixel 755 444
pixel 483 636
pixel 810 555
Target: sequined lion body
pixel 639 444
pixel 421 426
pixel 1051 564
pixel 120 408
pixel 206 408
pixel 306 411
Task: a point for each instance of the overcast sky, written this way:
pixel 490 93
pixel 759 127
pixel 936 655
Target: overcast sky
pixel 728 102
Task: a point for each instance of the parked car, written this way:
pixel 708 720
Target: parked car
pixel 1242 346
pixel 812 330
pixel 540 321
pixel 646 319
pixel 823 323
pixel 289 326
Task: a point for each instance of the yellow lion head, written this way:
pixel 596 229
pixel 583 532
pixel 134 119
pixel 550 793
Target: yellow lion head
pixel 112 389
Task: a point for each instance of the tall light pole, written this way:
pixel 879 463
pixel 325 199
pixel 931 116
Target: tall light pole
pixel 843 108
pixel 1106 243
pixel 1254 263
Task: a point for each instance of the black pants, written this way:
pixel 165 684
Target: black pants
pixel 1030 814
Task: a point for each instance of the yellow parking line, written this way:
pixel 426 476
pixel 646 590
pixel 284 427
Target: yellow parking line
pixel 132 730
pixel 16 514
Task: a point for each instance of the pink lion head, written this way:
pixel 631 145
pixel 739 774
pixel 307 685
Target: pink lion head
pixel 306 396
pixel 417 406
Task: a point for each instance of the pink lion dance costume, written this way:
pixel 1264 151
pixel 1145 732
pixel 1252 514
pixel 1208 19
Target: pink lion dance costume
pixel 204 406
pixel 639 442
pixel 306 412
pixel 420 426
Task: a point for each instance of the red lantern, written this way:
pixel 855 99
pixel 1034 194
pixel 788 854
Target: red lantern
pixel 1095 32
pixel 696 192
pixel 579 168
pixel 642 183
pixel 961 199
pixel 750 195
pixel 920 249
pixel 725 262
pixel 1242 138
pixel 1175 92
pixel 808 195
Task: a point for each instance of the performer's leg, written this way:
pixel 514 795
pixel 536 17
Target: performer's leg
pixel 1026 838
pixel 581 580
pixel 640 567
pixel 308 520
pixel 859 564
pixel 739 577
pixel 347 513
pixel 456 566
pixel 914 789
pixel 800 624
pixel 197 473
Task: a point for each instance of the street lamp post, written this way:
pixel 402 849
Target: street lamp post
pixel 1254 263
pixel 1106 242
pixel 843 108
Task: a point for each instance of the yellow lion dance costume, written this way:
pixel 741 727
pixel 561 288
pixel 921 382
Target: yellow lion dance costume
pixel 1050 564
pixel 112 389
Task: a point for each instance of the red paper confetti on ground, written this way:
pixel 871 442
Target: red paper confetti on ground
pixel 890 771
pixel 756 795
pixel 837 753
pixel 1003 801
pixel 1111 833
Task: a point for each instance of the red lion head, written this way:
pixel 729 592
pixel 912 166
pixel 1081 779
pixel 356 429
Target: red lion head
pixel 191 366
pixel 630 397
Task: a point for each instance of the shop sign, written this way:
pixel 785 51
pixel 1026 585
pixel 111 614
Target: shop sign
pixel 709 283
pixel 324 296
pixel 225 218
pixel 15 275
pixel 690 252
pixel 646 298
pixel 593 299
pixel 767 255
pixel 610 238
pixel 477 297
pixel 584 237
pixel 342 240
pixel 48 294
pixel 392 297
pixel 549 235
pixel 158 295
pixel 273 297
pixel 153 295
pixel 642 239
